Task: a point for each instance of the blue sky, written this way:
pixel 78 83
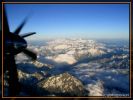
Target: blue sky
pixel 71 20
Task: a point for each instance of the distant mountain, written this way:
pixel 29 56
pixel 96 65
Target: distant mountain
pixel 65 66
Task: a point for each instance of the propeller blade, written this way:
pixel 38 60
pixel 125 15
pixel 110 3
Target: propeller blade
pixel 30 54
pixel 27 34
pixel 17 31
pixel 6 25
pixel 14 86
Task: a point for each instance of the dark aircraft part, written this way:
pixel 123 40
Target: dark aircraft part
pixel 14 85
pixel 30 54
pixel 5 24
pixel 14 44
pixel 27 34
pixel 17 31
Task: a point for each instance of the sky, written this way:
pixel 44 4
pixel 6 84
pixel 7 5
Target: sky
pixel 109 21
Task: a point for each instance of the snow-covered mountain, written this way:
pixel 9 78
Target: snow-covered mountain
pixel 100 67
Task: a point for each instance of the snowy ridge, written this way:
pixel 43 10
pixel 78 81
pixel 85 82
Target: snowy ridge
pixel 102 68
